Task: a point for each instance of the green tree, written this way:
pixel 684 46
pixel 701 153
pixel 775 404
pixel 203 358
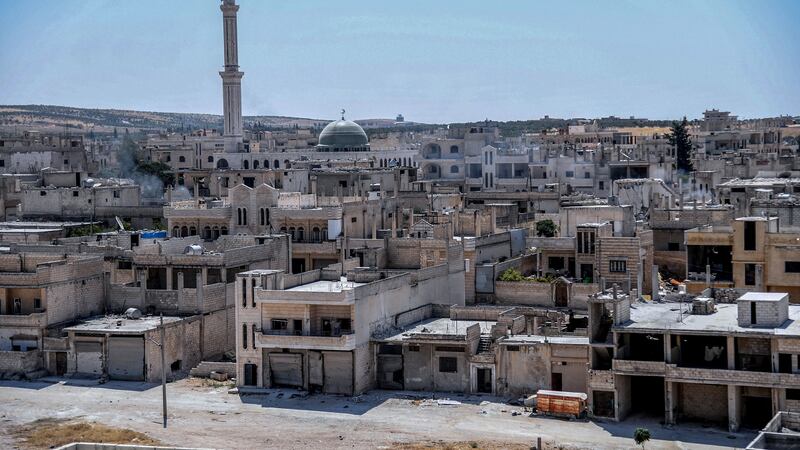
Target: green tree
pixel 641 435
pixel 680 140
pixel 546 228
pixel 511 274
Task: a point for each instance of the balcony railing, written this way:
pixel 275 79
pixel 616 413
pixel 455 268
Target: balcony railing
pixel 636 367
pixel 601 379
pixel 725 376
pixel 37 320
pixel 343 342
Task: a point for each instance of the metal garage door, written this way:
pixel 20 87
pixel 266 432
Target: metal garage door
pixel 89 358
pixel 338 373
pixel 286 369
pixel 126 358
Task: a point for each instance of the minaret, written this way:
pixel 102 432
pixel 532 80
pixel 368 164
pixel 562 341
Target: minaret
pixel 231 80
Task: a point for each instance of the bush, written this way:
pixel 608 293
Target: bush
pixel 641 435
pixel 546 228
pixel 511 275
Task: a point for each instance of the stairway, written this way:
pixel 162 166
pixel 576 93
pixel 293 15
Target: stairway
pixel 484 345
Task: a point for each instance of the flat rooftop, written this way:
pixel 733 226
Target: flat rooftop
pixel 327 286
pixel 537 338
pixel 763 296
pixel 440 326
pixel 665 316
pixel 120 324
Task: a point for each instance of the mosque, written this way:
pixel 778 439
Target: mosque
pixel 339 143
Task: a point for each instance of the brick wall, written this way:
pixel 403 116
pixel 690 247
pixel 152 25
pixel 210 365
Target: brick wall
pixel 19 361
pixel 703 402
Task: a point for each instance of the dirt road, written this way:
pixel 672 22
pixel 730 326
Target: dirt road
pixel 202 414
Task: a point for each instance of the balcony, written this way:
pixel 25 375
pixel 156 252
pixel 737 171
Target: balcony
pixel 636 367
pixel 736 377
pixel 35 320
pixel 345 342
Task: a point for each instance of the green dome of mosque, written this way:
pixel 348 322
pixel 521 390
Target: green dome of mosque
pixel 343 135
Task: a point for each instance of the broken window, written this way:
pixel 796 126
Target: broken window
pixel 791 266
pixel 448 364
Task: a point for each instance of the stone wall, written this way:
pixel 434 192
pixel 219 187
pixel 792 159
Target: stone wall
pixel 19 362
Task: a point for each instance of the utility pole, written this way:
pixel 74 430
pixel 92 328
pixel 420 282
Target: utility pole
pixel 163 373
pixel 163 369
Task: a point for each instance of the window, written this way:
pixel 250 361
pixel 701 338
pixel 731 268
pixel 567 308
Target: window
pixel 37 303
pixel 453 149
pixel 245 164
pixel 512 348
pixel 182 159
pixel 2 162
pixel 791 266
pixel 673 246
pixel 74 193
pixel 244 336
pixel 750 274
pixel 586 242
pixel 244 292
pixel 124 265
pixel 753 320
pixel 279 324
pixel 448 364
pixel 211 159
pixel 354 220
pixel 618 266
pixel 587 175
pixel 601 185
pixel 569 174
pixel 116 194
pixel 449 348
pixel 413 348
pixel 453 169
pixel 793 394
pixel 749 236
pixel 42 193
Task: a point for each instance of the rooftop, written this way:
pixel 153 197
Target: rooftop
pixel 763 296
pixel 120 324
pixel 439 327
pixel 327 286
pixel 677 316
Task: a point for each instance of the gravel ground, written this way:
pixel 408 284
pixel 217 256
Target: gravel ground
pixel 204 414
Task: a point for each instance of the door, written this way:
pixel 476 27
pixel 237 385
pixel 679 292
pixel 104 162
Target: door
pixel 61 363
pixel 126 358
pixel 250 374
pixel 337 373
pixel 88 358
pixel 555 382
pixel 286 369
pixel 561 293
pixel 485 380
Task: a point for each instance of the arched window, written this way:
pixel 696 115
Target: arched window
pixel 283 230
pixel 315 237
pixel 176 232
pixel 245 164
pixel 244 336
pixel 192 231
pixel 211 159
pixel 215 232
pixel 184 231
pixel 244 216
pixel 238 216
pixel 262 216
pixel 276 164
pixel 255 164
pixel 222 164
pixel 207 233
pixel 224 231
pixel 266 164
pixel 324 234
pixel 301 234
pixel 182 159
pixel 293 232
pixel 453 149
pixel 453 169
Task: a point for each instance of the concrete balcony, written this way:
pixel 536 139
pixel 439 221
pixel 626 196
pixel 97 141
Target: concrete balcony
pixel 317 248
pixel 601 380
pixel 735 377
pixel 51 344
pixel 34 320
pixel 636 367
pixel 344 342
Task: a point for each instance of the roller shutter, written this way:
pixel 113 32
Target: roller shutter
pixel 338 373
pixel 89 358
pixel 286 369
pixel 126 358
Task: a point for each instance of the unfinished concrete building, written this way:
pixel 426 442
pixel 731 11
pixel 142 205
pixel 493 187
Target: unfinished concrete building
pixel 728 364
pixel 38 293
pixel 753 253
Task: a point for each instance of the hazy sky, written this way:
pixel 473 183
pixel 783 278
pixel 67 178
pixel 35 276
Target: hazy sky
pixel 433 61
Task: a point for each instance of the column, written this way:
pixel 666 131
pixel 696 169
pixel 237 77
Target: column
pixel 307 321
pixel 669 403
pixel 169 277
pixel 731 352
pixel 199 290
pixel 734 408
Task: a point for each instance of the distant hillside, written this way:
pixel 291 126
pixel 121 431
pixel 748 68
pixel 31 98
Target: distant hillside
pixel 57 118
